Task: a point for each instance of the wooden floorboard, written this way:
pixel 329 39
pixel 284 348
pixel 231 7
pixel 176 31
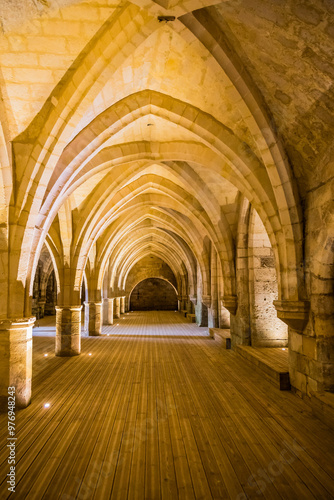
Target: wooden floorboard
pixel 161 411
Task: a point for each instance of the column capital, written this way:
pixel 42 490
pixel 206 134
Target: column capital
pixel 230 302
pixel 68 308
pixel 294 313
pixel 17 324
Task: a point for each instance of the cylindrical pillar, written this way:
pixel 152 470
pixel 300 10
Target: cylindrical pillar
pixel 68 330
pixel 117 307
pixel 16 361
pixel 109 317
pixel 94 319
pixel 122 305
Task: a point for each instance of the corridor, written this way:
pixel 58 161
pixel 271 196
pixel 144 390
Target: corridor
pixel 159 410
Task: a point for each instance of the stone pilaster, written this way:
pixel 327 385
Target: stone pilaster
pixel 68 330
pixel 16 360
pixel 122 305
pixel 304 368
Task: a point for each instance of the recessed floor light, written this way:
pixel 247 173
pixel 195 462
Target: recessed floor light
pixel 46 405
pixel 45 355
pixel 89 354
pixel 283 348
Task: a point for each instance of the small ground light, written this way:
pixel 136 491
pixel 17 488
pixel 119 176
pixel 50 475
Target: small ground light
pixel 283 348
pixel 108 334
pixel 89 354
pixel 46 405
pixel 45 355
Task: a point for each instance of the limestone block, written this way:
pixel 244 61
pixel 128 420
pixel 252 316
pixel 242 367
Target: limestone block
pixel 309 346
pixel 295 341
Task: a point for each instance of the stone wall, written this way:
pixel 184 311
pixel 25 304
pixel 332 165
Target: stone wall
pixel 312 351
pixel 153 294
pixel 149 267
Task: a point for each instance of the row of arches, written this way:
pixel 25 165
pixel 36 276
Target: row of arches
pixel 112 170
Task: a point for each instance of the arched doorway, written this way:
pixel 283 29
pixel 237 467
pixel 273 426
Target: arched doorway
pixel 153 294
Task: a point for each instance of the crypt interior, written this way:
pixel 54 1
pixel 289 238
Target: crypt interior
pixel 166 255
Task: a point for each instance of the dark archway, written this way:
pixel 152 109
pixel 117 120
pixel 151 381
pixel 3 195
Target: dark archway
pixel 153 294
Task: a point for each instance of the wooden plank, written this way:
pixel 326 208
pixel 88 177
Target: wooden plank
pixel 172 416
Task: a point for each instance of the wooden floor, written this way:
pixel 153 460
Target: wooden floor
pixel 159 410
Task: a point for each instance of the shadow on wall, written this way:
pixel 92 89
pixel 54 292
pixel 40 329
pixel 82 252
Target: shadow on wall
pixel 153 294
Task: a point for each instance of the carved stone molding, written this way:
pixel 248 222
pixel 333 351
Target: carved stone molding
pixel 294 313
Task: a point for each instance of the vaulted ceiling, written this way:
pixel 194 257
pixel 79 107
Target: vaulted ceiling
pixel 144 136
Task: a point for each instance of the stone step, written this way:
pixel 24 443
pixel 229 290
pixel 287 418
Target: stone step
pixel 184 312
pixel 271 362
pixel 224 334
pixel 191 318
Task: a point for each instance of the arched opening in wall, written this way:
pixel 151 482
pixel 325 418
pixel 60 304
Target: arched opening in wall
pixel 44 287
pixel 51 295
pixel 153 294
pixel 266 329
pixel 37 293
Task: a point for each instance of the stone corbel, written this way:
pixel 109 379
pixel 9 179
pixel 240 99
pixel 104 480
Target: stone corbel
pixel 206 300
pixel 230 302
pixel 294 313
pixel 193 299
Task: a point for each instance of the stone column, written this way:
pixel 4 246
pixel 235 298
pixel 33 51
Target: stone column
pixel 122 305
pixel 94 318
pixel 117 307
pixel 126 300
pixel 16 360
pixel 68 330
pixel 110 312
